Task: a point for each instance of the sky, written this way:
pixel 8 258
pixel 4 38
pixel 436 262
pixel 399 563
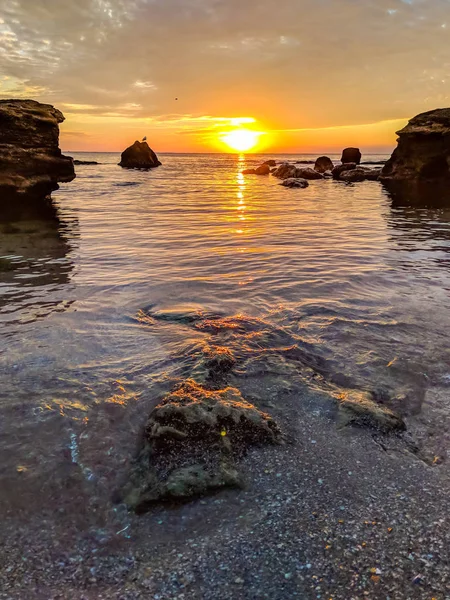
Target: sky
pixel 309 75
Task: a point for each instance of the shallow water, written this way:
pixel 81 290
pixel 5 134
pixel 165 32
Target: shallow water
pixel 334 277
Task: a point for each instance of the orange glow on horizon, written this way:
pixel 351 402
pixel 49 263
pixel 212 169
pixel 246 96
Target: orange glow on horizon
pixel 241 140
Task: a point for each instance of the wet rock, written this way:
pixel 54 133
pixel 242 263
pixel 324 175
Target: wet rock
pixel 351 155
pixel 263 169
pixel 139 156
pixel 423 150
pixel 360 174
pixel 215 363
pixel 271 162
pixel 85 162
pixel 31 163
pixel 338 169
pixel 249 172
pixel 292 182
pixel 323 164
pixel 286 171
pixel 359 408
pixel 192 442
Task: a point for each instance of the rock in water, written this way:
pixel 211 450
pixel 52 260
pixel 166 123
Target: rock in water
pixel 271 162
pixel 293 182
pixel 338 169
pixel 286 171
pixel 359 408
pixel 423 150
pixel 323 164
pixel 351 155
pixel 263 169
pixel 31 163
pixel 192 441
pixel 139 156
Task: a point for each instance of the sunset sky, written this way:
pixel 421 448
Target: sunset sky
pixel 312 75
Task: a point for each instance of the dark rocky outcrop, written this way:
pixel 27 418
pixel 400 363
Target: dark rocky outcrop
pixel 85 162
pixel 271 162
pixel 293 182
pixel 249 172
pixel 31 163
pixel 323 164
pixel 423 150
pixel 286 171
pixel 139 156
pixel 351 155
pixel 192 442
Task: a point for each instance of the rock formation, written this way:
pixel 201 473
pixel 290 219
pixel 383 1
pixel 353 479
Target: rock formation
pixel 139 156
pixel 360 174
pixel 263 169
pixel 351 155
pixel 293 182
pixel 192 441
pixel 31 163
pixel 286 171
pixel 423 150
pixel 271 162
pixel 323 164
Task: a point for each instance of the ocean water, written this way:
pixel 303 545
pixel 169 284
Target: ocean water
pixel 332 287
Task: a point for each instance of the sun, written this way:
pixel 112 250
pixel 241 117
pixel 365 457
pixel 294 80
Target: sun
pixel 241 140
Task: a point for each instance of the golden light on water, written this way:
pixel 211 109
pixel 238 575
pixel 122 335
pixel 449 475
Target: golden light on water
pixel 241 140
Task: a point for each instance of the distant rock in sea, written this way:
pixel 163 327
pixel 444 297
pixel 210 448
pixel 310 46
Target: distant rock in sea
pixel 263 169
pixel 323 164
pixel 423 150
pixel 271 162
pixel 31 163
pixel 139 156
pixel 85 162
pixel 351 155
pixel 286 171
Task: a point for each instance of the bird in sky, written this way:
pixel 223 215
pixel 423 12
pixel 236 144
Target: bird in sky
pixel 144 139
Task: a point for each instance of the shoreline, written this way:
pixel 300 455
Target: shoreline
pixel 331 515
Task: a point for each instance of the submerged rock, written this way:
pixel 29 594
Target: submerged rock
pixel 192 441
pixel 293 182
pixel 423 150
pixel 323 164
pixel 351 155
pixel 139 156
pixel 31 163
pixel 359 408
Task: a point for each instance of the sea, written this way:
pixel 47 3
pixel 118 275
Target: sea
pixel 331 288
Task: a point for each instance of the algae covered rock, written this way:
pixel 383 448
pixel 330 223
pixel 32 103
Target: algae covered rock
pixel 192 442
pixel 358 408
pixel 295 182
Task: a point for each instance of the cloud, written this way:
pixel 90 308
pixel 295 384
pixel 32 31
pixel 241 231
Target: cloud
pixel 290 65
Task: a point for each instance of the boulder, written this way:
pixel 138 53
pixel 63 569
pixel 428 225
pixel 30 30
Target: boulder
pixel 249 172
pixel 295 182
pixel 286 171
pixel 351 155
pixel 323 164
pixel 338 169
pixel 139 156
pixel 85 162
pixel 263 169
pixel 31 163
pixel 423 150
pixel 270 162
pixel 192 442
pixel 360 174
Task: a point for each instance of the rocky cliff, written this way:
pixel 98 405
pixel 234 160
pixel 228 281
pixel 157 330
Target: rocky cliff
pixel 423 150
pixel 31 163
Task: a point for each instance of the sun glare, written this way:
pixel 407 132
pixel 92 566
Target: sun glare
pixel 241 140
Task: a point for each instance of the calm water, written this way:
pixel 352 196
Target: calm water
pixel 359 288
